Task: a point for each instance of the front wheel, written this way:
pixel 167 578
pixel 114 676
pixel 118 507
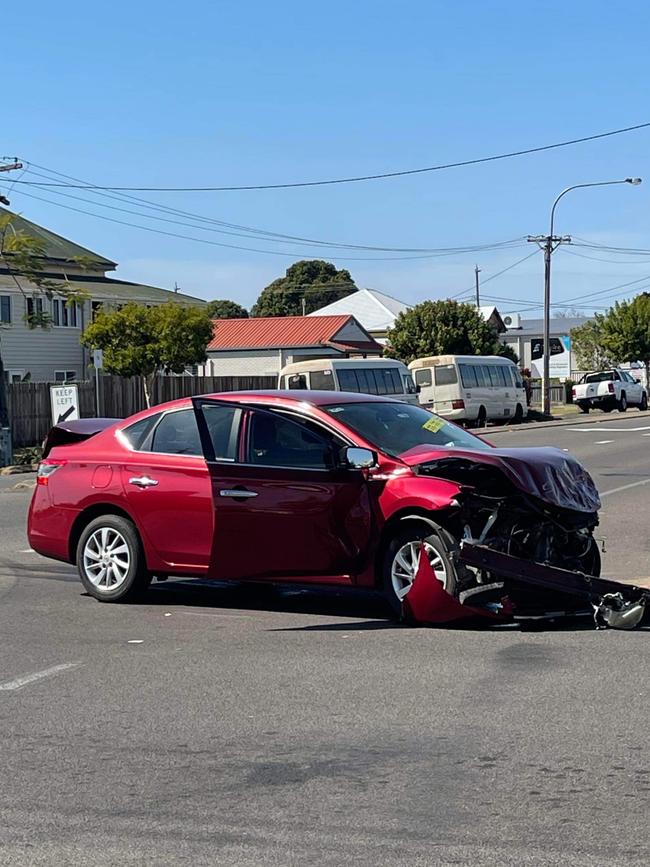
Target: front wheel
pixel 402 559
pixel 519 414
pixel 110 560
pixel 644 402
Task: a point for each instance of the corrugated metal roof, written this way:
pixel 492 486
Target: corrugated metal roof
pixel 280 332
pixel 54 246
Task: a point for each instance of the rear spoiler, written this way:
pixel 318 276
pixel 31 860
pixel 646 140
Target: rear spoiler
pixel 68 432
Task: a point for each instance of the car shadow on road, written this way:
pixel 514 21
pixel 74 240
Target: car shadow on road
pixel 361 611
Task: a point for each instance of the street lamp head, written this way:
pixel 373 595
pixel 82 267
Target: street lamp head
pixel 634 181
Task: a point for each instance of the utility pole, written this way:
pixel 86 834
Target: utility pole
pixel 8 167
pixel 303 301
pixel 6 448
pixel 477 271
pixel 547 243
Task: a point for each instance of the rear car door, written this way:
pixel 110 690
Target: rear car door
pixel 285 509
pixel 169 489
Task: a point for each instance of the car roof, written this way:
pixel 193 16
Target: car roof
pixel 277 397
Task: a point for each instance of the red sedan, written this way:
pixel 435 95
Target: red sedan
pixel 308 487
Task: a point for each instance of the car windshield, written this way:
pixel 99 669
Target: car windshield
pixel 395 428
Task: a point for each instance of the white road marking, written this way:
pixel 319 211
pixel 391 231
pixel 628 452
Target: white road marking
pixel 602 442
pixel 135 641
pixel 608 429
pixel 19 682
pixel 625 487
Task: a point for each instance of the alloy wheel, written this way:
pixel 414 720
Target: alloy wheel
pixel 405 566
pixel 106 558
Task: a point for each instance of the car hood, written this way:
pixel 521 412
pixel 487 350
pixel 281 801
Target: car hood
pixel 549 474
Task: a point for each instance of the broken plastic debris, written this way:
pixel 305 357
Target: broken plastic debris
pixel 135 641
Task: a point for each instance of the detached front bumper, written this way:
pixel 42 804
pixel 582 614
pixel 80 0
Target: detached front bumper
pixel 613 603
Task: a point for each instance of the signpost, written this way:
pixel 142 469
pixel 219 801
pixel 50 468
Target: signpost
pixel 98 362
pixel 65 403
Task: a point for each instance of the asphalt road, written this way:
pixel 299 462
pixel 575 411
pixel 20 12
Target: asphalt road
pixel 250 728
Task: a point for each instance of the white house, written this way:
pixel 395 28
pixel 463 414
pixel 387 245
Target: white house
pixel 55 354
pixel 377 312
pixel 261 346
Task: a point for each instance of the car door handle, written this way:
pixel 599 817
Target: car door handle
pixel 143 482
pixel 237 493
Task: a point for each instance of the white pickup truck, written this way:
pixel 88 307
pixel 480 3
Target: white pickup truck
pixel 608 390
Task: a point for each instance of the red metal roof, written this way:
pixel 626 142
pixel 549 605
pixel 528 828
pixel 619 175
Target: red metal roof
pixel 285 332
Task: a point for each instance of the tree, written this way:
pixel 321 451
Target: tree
pixel 506 351
pixel 23 257
pixel 141 341
pixel 442 328
pixel 307 286
pixel 587 345
pixel 226 310
pixel 626 331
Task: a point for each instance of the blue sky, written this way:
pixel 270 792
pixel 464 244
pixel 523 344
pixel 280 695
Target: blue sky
pixel 227 93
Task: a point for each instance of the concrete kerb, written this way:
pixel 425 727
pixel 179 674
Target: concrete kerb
pixel 578 419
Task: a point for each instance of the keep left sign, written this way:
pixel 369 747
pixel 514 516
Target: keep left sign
pixel 65 403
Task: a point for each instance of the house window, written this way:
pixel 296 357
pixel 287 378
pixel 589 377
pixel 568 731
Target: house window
pixel 65 375
pixel 14 376
pixel 64 315
pixel 5 309
pixel 96 306
pixel 34 307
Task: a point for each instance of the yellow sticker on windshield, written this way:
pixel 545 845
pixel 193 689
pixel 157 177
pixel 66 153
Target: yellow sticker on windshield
pixel 433 424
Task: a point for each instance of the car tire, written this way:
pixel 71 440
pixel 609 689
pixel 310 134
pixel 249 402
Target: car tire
pixel 622 404
pixel 519 414
pixel 481 418
pixel 401 559
pixel 111 561
pixel 643 406
pixel 583 408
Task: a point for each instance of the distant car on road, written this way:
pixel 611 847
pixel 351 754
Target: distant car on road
pixel 313 487
pixel 608 390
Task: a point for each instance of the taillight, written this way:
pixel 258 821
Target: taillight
pixel 47 469
pixel 458 404
pixel 573 392
pixel 610 387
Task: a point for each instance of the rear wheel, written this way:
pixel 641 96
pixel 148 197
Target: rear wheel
pixel 583 407
pixel 402 559
pixel 622 404
pixel 110 560
pixel 481 418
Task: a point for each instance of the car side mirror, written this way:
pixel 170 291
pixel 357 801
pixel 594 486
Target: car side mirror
pixel 359 459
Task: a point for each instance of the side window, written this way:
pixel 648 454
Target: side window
pixel 409 385
pixel 135 434
pixel 365 385
pixel 321 380
pixel 482 379
pixel 468 375
pixel 296 380
pixel 275 441
pixel 347 379
pixel 493 376
pixel 373 387
pixel 504 378
pixel 395 378
pixel 423 377
pixel 223 426
pixel 177 434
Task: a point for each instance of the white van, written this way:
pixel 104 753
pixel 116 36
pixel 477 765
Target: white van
pixel 471 388
pixel 362 375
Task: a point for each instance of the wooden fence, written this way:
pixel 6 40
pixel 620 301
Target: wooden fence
pixel 31 415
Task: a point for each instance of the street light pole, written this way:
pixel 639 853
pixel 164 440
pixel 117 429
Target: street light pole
pixel 549 244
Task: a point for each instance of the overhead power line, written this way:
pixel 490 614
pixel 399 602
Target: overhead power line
pixel 356 179
pixel 256 234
